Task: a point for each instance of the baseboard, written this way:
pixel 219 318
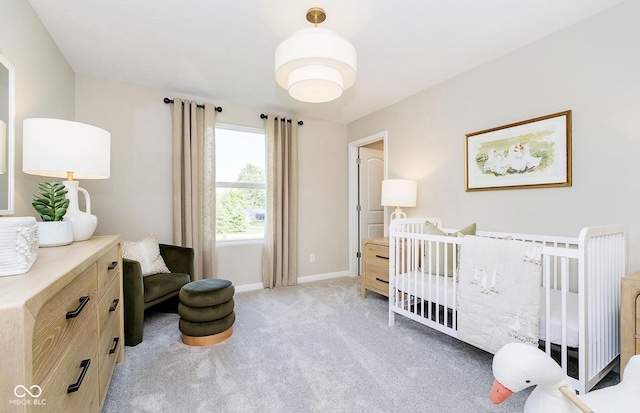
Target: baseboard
pixel 249 287
pixel 318 277
pixel 305 279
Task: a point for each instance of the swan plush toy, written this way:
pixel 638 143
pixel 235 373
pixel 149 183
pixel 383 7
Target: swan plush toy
pixel 517 366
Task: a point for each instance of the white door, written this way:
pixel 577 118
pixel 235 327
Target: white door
pixel 371 212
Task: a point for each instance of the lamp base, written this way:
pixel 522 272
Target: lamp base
pixel 397 214
pixel 82 223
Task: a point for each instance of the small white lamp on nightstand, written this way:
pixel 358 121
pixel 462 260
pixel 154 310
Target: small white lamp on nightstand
pixel 399 193
pixel 72 150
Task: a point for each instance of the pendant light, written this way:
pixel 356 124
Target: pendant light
pixel 315 65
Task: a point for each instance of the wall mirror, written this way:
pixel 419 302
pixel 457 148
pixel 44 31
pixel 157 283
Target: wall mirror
pixel 7 129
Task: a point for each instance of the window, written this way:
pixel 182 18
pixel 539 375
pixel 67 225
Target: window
pixel 240 183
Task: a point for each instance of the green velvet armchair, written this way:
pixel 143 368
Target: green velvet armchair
pixel 141 292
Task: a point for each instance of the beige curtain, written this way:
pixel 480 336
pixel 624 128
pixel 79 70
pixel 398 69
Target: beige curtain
pixel 194 183
pixel 280 254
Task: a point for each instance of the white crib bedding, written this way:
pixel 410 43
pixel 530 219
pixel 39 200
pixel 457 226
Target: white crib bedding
pixel 443 292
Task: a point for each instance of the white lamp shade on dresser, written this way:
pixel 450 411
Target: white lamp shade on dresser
pixel 53 147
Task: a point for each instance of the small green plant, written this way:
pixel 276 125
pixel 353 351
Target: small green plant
pixel 51 204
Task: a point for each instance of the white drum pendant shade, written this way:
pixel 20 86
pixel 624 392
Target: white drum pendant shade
pixel 315 65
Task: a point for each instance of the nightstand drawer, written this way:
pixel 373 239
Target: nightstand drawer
pixel 638 318
pixel 377 255
pixel 377 278
pixel 375 266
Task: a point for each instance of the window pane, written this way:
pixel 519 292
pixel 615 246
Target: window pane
pixel 238 215
pixel 234 151
pixel 240 208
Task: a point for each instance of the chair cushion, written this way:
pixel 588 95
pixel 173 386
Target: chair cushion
pixel 159 285
pixel 209 328
pixel 206 293
pixel 203 314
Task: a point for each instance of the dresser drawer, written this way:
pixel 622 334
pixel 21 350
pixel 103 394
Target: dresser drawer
pixel 60 320
pixel 109 305
pixel 110 347
pixel 377 255
pixel 69 371
pixel 108 269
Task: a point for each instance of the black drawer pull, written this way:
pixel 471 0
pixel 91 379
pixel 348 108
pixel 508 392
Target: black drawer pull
pixel 381 280
pixel 381 256
pixel 76 386
pixel 115 345
pixel 115 304
pixel 113 265
pixel 83 301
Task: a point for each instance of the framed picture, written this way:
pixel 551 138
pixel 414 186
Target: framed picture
pixel 534 153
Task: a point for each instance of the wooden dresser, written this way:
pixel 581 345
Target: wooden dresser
pixel 375 266
pixel 629 318
pixel 62 329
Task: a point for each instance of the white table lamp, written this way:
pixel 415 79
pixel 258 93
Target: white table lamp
pixel 399 193
pixel 72 150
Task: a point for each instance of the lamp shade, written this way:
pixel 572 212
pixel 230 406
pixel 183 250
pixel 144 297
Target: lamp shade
pixel 399 192
pixel 3 147
pixel 54 147
pixel 315 65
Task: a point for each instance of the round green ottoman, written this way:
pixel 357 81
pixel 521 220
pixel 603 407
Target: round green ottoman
pixel 206 311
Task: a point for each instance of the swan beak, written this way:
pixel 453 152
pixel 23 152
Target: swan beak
pixel 499 393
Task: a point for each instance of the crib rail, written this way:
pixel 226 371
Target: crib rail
pixel 603 262
pixel 423 286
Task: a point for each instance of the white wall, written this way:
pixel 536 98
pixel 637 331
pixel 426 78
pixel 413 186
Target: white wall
pixel 44 83
pixel 137 199
pixel 591 68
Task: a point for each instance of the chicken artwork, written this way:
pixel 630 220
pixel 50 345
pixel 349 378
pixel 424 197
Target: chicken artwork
pixel 516 159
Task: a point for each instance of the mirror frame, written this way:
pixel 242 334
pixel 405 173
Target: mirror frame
pixel 10 140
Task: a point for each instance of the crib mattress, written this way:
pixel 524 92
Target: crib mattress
pixel 442 290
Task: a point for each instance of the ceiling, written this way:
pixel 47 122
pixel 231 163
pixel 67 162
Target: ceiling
pixel 223 50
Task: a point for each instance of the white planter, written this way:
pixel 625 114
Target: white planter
pixel 55 233
pixel 18 244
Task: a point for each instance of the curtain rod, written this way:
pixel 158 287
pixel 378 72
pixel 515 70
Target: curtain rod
pixel 218 108
pixel 263 116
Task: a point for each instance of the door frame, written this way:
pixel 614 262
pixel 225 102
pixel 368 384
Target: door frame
pixel 353 192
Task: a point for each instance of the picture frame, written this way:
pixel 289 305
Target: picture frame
pixel 534 153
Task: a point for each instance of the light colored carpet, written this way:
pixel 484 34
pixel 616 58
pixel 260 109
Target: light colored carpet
pixel 317 347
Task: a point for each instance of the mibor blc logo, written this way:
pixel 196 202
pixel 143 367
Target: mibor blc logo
pixel 28 396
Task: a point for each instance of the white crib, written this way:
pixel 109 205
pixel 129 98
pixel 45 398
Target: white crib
pixel 579 312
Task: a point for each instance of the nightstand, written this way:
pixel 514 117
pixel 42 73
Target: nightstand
pixel 629 318
pixel 375 266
